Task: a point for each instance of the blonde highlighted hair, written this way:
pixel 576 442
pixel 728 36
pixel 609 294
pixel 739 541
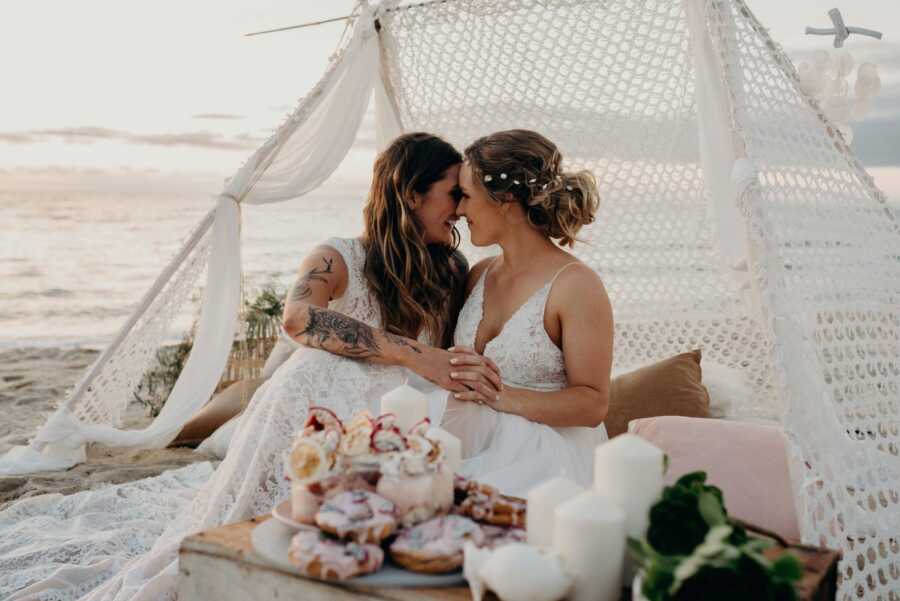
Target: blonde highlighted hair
pixel 519 165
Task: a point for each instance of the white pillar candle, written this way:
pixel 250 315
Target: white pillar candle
pixel 589 537
pixel 451 445
pixel 629 471
pixel 542 502
pixel 408 404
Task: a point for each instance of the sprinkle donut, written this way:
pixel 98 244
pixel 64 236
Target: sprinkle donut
pixel 358 515
pixel 498 536
pixel 436 546
pixel 318 556
pixel 484 503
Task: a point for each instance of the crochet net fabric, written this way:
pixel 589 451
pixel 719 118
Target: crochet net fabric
pixel 815 323
pixel 801 293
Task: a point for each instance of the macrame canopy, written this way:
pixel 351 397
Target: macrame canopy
pixel 734 219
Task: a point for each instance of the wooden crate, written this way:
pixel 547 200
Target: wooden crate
pixel 220 564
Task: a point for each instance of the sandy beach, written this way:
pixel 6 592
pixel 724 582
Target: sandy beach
pixel 33 381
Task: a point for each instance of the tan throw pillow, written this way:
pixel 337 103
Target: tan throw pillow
pixel 670 387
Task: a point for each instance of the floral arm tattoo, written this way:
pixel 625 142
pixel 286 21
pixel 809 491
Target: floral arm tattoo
pixel 356 338
pixel 342 335
pixel 337 333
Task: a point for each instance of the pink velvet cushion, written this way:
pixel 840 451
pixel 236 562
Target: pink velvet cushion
pixel 746 460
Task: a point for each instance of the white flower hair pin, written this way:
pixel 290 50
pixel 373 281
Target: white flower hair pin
pixel 488 178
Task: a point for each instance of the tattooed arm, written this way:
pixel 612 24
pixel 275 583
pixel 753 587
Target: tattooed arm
pixel 323 277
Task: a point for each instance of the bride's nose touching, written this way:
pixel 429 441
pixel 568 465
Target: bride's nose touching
pixel 436 208
pixel 483 215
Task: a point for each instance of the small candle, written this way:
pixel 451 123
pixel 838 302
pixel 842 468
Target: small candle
pixel 629 471
pixel 542 502
pixel 589 537
pixel 451 445
pixel 408 404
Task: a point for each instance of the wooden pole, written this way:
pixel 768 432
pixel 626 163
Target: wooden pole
pixel 301 26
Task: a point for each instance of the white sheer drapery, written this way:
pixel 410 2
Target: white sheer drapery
pixel 775 254
pixel 299 156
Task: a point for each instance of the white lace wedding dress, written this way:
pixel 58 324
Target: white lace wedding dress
pixel 121 542
pixel 509 451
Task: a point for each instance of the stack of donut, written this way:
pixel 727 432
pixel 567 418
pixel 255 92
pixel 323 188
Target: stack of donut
pixel 363 487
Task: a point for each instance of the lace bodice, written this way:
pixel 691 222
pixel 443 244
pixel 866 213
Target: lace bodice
pixel 523 351
pixel 509 451
pixel 357 301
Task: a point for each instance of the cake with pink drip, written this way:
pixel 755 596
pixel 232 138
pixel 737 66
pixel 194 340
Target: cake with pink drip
pixel 330 457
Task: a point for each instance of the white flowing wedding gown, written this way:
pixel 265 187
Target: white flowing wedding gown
pixel 121 542
pixel 509 451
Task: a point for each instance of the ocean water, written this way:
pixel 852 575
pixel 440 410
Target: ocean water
pixel 73 265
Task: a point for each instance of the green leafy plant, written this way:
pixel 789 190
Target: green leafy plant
pixel 694 551
pixel 157 383
pixel 261 317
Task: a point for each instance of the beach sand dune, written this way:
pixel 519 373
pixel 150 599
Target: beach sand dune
pixel 33 381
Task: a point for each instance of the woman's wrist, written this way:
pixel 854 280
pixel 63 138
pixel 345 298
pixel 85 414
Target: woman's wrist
pixel 507 400
pixel 410 355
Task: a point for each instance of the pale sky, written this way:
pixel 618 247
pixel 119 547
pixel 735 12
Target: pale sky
pixel 173 86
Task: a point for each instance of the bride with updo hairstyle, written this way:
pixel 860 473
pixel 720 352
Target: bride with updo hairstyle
pixel 556 203
pixel 534 314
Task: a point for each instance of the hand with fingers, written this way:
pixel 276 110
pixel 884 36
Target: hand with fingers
pixel 479 374
pixel 435 365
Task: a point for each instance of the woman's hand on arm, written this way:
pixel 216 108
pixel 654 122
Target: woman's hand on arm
pixel 478 373
pixel 306 319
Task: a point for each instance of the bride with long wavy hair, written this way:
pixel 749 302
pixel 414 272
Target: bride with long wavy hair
pixel 412 269
pixel 362 314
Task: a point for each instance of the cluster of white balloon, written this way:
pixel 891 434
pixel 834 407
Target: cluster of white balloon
pixel 825 78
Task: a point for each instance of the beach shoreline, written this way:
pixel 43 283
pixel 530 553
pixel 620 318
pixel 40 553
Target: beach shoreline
pixel 33 381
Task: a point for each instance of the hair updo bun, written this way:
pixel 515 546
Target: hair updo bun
pixel 523 166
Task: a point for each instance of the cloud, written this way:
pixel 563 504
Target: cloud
pixel 118 179
pixel 223 116
pixel 199 139
pixel 16 138
pixel 78 135
pixel 90 135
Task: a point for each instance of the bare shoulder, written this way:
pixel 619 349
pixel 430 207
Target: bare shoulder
pixel 325 259
pixel 577 286
pixel 324 252
pixel 324 265
pixel 475 272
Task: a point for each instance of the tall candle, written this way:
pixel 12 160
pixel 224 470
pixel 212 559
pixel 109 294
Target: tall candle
pixel 451 445
pixel 589 537
pixel 629 471
pixel 408 404
pixel 542 502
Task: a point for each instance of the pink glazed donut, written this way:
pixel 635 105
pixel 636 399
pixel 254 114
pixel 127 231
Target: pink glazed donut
pixel 358 515
pixel 318 556
pixel 436 546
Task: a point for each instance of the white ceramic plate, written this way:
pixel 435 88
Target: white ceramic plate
pixel 271 540
pixel 282 513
